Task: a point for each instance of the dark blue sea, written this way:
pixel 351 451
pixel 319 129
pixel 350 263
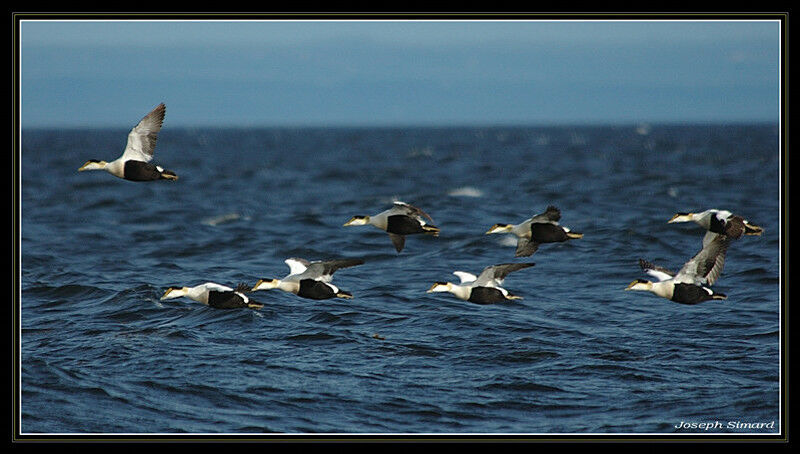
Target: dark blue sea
pixel 101 354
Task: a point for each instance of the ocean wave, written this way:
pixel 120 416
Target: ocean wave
pixel 100 351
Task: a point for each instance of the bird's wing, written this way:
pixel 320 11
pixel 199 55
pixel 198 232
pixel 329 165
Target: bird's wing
pixel 495 274
pixel 465 277
pixel 656 271
pixel 706 266
pixel 327 268
pixel 297 265
pixel 243 288
pixel 410 210
pixel 714 267
pixel 214 287
pixel 398 240
pixel 142 138
pixel 709 237
pixel 551 215
pixel 525 247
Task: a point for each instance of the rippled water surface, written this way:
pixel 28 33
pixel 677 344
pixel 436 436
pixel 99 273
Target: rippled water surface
pixel 102 354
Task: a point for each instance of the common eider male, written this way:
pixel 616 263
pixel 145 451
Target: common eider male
pixel 542 228
pixel 719 222
pixel 400 220
pixel 215 295
pixel 134 164
pixel 484 288
pixel 689 285
pixel 310 279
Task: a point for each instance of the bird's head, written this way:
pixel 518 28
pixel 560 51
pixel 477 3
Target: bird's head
pixel 175 292
pixel 266 284
pixel 93 164
pixel 640 284
pixel 682 217
pixel 440 287
pixel 500 228
pixel 357 220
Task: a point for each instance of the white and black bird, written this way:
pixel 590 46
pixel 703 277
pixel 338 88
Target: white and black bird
pixel 484 288
pixel 719 222
pixel 134 164
pixel 400 220
pixel 542 228
pixel 310 279
pixel 215 295
pixel 690 284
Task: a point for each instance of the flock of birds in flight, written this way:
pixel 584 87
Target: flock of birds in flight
pixel 690 285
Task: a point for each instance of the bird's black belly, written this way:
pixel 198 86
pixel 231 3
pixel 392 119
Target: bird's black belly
pixel 403 225
pixel 225 300
pixel 689 294
pixel 141 171
pixel 547 233
pixel 486 295
pixel 315 290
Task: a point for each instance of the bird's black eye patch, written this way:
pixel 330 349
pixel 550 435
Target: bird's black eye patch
pixel 683 214
pixel 642 281
pixel 94 160
pixel 440 283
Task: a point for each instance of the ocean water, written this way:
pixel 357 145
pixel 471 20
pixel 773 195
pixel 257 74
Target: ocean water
pixel 100 353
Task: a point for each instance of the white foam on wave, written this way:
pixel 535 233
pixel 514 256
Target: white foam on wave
pixel 221 219
pixel 466 191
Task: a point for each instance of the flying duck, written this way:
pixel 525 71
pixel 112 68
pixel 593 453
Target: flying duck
pixel 400 220
pixel 690 284
pixel 134 164
pixel 484 288
pixel 542 228
pixel 719 222
pixel 310 279
pixel 215 295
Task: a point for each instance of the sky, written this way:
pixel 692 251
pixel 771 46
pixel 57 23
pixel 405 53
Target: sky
pixel 334 73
